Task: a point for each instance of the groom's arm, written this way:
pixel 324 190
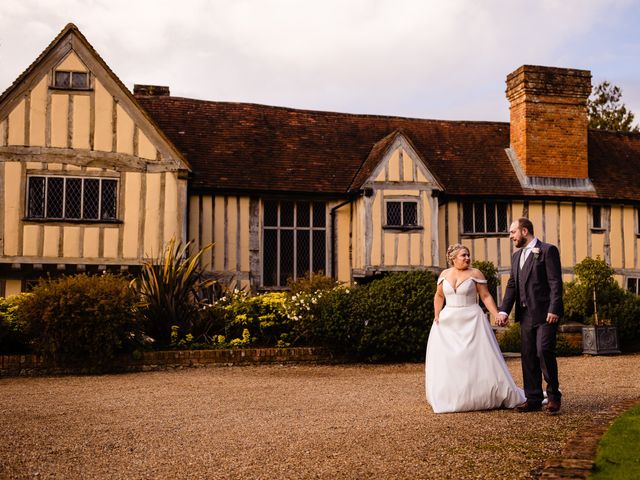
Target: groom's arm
pixel 509 295
pixel 554 279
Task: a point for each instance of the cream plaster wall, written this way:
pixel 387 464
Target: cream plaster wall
pixel 37 114
pixel 16 124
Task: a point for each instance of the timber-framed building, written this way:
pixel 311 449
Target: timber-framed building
pixel 94 177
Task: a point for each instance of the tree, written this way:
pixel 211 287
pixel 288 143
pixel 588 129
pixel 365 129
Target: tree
pixel 606 112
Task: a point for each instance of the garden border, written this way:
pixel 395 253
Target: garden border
pixel 34 365
pixel 577 460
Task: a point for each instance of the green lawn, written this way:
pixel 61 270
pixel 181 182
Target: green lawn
pixel 618 454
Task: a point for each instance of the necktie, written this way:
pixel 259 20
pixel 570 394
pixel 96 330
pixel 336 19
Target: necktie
pixel 523 256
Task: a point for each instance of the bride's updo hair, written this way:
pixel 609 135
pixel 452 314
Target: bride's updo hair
pixel 453 250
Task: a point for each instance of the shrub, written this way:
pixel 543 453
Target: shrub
pixel 490 272
pixel 578 295
pixel 13 332
pixel 564 348
pixel 325 318
pixel 260 320
pixel 310 284
pixel 396 313
pixel 625 315
pixel 614 304
pixel 80 320
pixel 170 290
pixel 510 339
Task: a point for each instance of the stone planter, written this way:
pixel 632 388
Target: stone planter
pixel 600 340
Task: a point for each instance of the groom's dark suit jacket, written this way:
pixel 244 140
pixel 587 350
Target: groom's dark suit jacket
pixel 538 285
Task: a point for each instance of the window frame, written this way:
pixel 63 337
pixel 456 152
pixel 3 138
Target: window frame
pixel 55 85
pixel 63 218
pixel 294 228
pixel 473 205
pixel 402 200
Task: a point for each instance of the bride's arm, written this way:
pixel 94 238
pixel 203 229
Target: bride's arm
pixel 438 302
pixel 485 296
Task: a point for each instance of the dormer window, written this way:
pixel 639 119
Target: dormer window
pixel 71 80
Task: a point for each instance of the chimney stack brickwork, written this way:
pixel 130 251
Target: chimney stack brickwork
pixel 548 110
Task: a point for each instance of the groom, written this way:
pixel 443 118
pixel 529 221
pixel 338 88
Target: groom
pixel 535 287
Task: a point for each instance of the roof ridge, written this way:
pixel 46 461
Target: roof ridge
pixel 329 112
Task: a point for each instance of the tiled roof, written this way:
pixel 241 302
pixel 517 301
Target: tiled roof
pixel 247 147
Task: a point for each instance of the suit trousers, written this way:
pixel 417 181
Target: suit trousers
pixel 539 359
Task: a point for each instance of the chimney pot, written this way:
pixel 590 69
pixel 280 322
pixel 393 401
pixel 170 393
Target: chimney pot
pixel 150 91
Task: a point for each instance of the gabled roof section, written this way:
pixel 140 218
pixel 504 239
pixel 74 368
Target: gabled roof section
pixel 71 39
pixel 380 150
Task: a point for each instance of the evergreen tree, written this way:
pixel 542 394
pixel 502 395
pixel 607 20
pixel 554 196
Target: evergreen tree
pixel 606 112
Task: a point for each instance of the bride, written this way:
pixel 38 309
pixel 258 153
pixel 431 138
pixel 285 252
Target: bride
pixel 465 369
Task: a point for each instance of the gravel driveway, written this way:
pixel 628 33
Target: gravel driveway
pixel 354 421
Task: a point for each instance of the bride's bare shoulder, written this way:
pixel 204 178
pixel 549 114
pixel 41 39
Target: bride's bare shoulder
pixel 477 274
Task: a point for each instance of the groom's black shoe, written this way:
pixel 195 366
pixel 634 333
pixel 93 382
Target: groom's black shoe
pixel 528 406
pixel 553 407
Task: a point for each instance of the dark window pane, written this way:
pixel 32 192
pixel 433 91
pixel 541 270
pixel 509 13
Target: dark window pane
pixel 62 79
pixel 597 216
pixel 491 217
pixel 109 199
pixel 632 285
pixel 36 197
pixel 91 198
pixel 73 198
pixel 467 217
pixel 286 214
pixel 271 213
pixel 302 214
pixel 55 188
pixel 319 214
pixel 478 213
pixel 270 258
pixel 286 256
pixel 394 213
pixel 79 80
pixel 319 251
pixel 502 217
pixel 302 253
pixel 410 213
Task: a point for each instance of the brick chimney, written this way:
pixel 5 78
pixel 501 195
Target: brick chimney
pixel 549 120
pixel 150 91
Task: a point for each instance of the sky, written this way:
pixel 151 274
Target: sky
pixel 439 59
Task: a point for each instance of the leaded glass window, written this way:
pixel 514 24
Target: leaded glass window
pixel 72 198
pixel 294 241
pixel 402 213
pixel 484 217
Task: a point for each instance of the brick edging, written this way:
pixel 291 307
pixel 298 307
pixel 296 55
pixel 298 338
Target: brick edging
pixel 577 460
pixel 34 365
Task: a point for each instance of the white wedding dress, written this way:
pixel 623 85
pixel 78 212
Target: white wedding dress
pixel 465 369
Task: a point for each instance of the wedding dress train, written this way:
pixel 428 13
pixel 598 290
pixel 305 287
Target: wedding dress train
pixel 465 369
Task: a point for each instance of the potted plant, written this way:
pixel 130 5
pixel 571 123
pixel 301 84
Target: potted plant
pixel 592 297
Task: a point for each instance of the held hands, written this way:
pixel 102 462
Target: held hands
pixel 502 319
